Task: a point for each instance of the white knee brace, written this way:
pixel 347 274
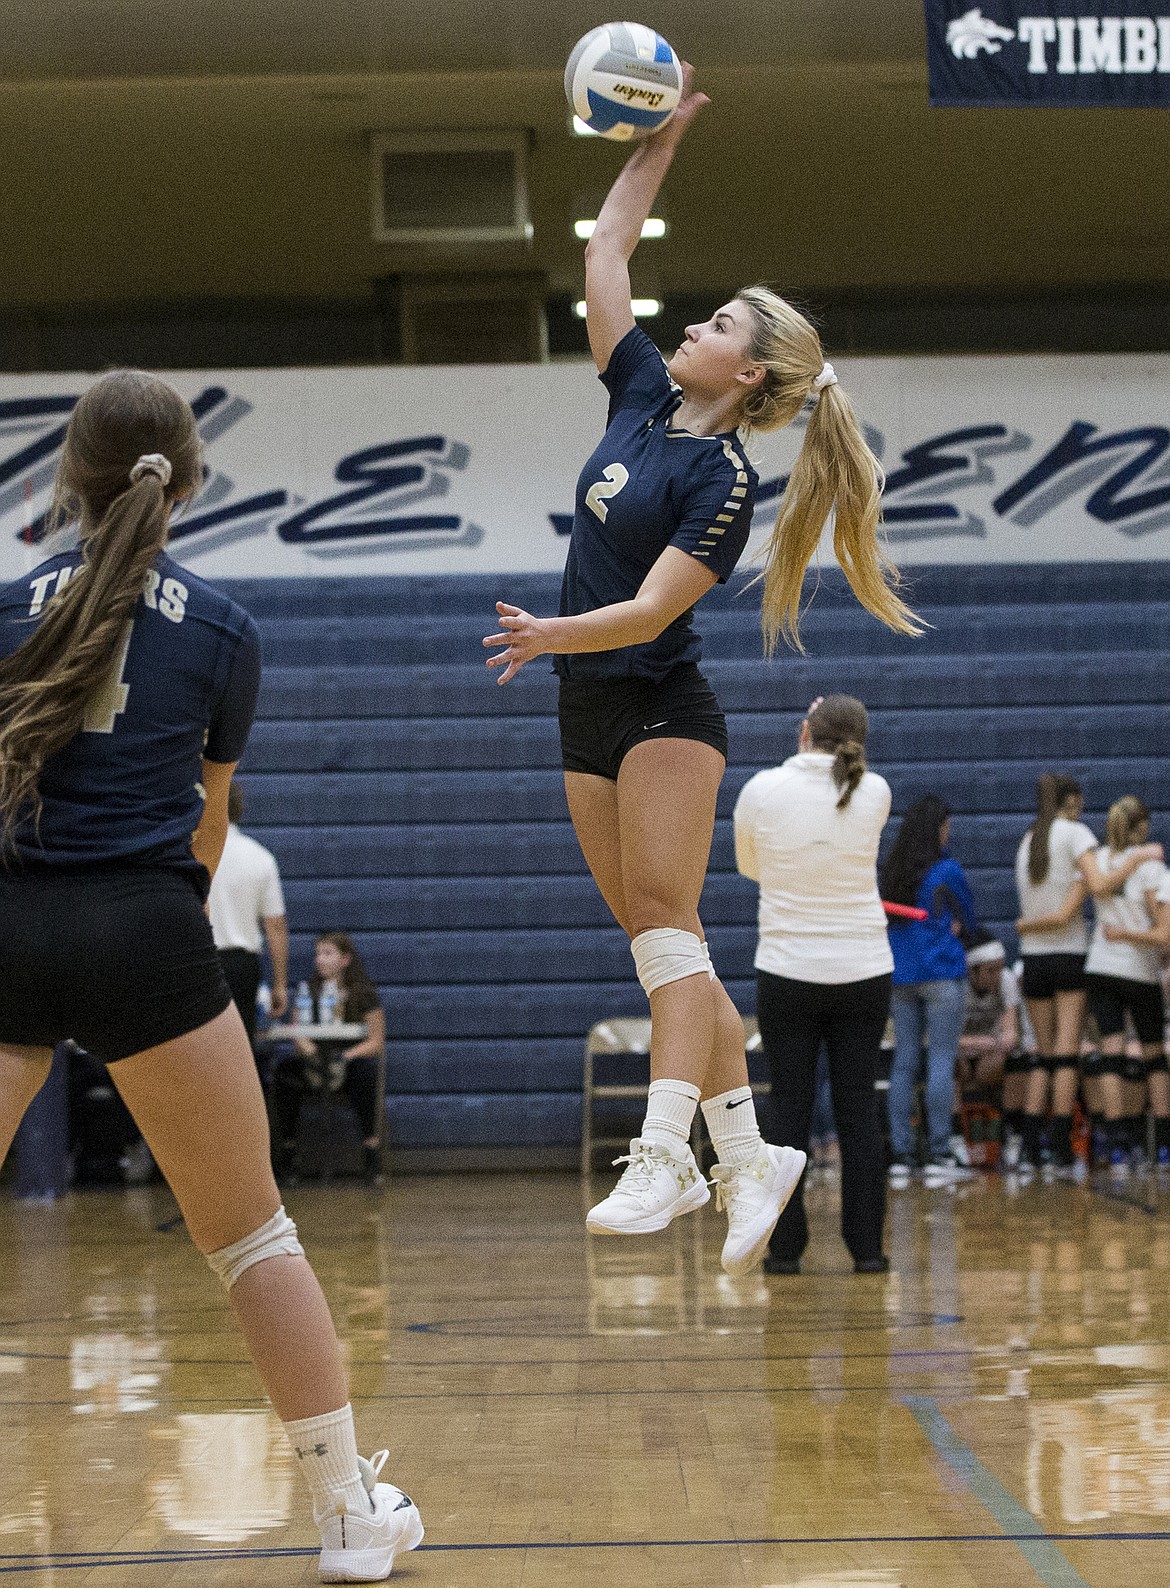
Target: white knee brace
pixel 277 1238
pixel 665 954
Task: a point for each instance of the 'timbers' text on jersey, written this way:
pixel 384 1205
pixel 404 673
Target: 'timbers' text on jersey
pixel 182 688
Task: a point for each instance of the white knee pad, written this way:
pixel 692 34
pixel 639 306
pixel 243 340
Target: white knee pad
pixel 665 954
pixel 277 1238
pixel 710 962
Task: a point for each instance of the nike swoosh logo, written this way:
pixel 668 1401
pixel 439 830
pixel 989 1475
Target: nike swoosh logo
pixel 647 726
pixel 740 1104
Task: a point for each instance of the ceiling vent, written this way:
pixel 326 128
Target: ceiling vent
pixel 450 188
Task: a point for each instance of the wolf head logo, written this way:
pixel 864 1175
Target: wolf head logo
pixel 972 32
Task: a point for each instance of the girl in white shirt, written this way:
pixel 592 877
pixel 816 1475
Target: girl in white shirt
pixel 808 833
pixel 1056 870
pixel 1123 972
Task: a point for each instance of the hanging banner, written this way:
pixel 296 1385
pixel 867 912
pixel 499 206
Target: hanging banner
pixel 424 471
pixel 1071 53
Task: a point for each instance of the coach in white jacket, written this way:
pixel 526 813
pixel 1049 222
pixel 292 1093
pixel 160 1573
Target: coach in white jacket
pixel 808 833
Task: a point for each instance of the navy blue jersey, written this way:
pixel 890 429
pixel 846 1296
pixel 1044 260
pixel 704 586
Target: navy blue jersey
pixel 183 688
pixel 649 486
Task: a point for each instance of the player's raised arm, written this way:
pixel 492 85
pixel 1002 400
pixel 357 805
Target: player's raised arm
pixel 619 226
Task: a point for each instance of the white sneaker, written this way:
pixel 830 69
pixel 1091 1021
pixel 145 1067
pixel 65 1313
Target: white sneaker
pixel 754 1196
pixel 945 1171
pixel 657 1186
pixel 362 1548
pixel 960 1152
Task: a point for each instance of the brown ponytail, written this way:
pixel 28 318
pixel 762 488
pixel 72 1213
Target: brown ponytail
pixel 50 682
pixel 1051 792
pixel 834 467
pixel 840 724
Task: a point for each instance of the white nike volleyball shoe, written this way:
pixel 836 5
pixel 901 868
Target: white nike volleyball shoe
pixel 754 1195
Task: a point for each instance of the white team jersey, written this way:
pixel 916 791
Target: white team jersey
pixel 1067 842
pixel 1127 910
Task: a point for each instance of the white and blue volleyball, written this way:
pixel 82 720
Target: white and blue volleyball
pixel 623 80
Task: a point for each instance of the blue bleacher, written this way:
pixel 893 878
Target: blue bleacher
pixel 412 802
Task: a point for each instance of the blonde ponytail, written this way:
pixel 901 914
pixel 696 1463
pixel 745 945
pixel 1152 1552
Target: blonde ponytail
pixel 1125 820
pixel 834 468
pixel 49 682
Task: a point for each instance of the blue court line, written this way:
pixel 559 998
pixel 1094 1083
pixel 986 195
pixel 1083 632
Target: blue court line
pixel 1037 1547
pixel 80 1561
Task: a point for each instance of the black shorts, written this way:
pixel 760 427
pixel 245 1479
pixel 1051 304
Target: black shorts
pixel 120 958
pixel 1112 997
pixel 603 719
pixel 1047 974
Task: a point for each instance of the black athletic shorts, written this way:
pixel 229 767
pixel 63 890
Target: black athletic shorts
pixel 1047 974
pixel 603 719
pixel 1111 997
pixel 120 958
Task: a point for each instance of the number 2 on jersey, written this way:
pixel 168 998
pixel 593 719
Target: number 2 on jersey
pixel 110 701
pixel 616 475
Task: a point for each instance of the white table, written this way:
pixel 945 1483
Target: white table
pixel 313 1031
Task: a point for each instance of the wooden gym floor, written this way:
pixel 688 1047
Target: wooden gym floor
pixel 576 1412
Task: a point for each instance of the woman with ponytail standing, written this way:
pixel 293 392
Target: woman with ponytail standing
pixel 1056 870
pixel 663 511
pixel 127 688
pixel 808 833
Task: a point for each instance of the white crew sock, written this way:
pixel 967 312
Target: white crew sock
pixel 326 1452
pixel 731 1123
pixel 670 1112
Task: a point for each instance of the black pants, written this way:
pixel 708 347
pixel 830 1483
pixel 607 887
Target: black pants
pixel 241 969
pixel 290 1087
pixel 849 1018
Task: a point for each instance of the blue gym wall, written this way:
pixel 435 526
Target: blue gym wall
pixel 412 802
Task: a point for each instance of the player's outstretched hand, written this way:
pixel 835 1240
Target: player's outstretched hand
pixel 689 106
pixel 522 637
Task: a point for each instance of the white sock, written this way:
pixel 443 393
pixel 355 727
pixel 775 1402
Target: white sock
pixel 670 1112
pixel 731 1123
pixel 326 1452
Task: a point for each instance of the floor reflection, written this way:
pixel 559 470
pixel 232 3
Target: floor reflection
pixel 1103 1457
pixel 670 1284
pixel 227 1476
pixel 115 1373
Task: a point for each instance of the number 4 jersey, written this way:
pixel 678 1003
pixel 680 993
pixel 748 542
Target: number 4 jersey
pixel 648 486
pixel 182 688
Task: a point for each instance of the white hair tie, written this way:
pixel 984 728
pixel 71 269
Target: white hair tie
pixel 152 463
pixel 827 377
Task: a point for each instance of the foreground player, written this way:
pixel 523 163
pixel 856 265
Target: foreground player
pixel 127 689
pixel 663 512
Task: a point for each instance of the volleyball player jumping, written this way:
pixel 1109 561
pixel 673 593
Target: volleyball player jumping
pixel 127 688
pixel 663 511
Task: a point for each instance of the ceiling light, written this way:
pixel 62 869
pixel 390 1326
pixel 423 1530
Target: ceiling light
pixel 654 227
pixel 644 308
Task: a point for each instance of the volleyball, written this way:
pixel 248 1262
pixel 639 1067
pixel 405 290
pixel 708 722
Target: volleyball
pixel 623 80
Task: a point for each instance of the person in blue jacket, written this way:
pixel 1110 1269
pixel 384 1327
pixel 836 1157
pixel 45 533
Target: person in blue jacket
pixel 930 984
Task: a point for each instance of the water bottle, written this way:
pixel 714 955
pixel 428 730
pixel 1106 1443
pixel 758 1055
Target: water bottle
pixel 327 1003
pixel 303 1007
